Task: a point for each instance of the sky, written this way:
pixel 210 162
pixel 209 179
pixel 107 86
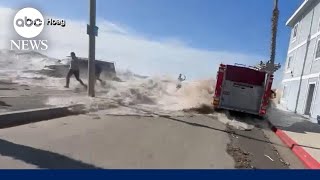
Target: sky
pixel 166 36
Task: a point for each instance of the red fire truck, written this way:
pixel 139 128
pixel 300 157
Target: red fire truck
pixel 248 89
pixel 243 89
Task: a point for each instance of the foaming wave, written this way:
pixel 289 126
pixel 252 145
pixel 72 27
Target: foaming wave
pixel 154 93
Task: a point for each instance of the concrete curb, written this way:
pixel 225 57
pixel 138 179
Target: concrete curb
pixel 16 118
pixel 302 154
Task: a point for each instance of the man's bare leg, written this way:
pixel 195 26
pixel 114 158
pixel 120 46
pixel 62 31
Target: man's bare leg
pixel 70 72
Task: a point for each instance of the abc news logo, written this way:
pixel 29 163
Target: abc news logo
pixel 29 23
pixel 38 22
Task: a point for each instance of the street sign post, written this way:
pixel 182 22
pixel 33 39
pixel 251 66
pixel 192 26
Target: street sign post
pixel 92 31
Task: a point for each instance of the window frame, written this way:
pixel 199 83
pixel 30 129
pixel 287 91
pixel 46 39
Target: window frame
pixel 294 38
pixel 289 69
pixel 315 51
pixel 284 92
pixel 318 30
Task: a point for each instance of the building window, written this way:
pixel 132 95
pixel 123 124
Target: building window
pixel 284 92
pixel 289 63
pixel 317 56
pixel 295 32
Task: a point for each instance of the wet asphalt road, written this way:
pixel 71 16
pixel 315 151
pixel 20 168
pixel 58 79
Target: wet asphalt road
pixel 101 141
pixel 97 140
pixel 14 96
pixel 255 151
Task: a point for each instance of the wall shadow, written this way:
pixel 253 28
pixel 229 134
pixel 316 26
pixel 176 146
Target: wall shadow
pixel 41 158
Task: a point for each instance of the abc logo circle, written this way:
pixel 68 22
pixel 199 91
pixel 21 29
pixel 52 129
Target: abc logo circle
pixel 28 22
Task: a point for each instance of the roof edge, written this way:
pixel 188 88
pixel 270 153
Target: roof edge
pixel 291 21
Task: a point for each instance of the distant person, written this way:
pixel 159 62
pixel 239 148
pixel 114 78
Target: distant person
pixel 74 70
pixel 180 80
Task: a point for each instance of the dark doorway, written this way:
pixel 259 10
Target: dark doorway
pixel 309 99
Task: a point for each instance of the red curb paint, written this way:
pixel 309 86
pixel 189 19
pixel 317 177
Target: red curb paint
pixel 302 154
pixel 285 138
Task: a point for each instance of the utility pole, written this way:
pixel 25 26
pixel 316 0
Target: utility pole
pixel 91 28
pixel 270 67
pixel 275 18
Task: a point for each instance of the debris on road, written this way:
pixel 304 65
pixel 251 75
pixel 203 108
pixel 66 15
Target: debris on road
pixel 240 125
pixel 232 122
pixel 242 160
pixel 203 109
pixel 269 157
pixel 285 163
pixel 255 147
pixel 234 136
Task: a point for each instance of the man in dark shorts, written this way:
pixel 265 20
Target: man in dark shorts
pixel 98 72
pixel 74 70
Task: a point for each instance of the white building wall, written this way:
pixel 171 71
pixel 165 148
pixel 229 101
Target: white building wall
pixel 311 67
pixel 315 111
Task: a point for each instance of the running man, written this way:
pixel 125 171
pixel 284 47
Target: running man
pixel 74 70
